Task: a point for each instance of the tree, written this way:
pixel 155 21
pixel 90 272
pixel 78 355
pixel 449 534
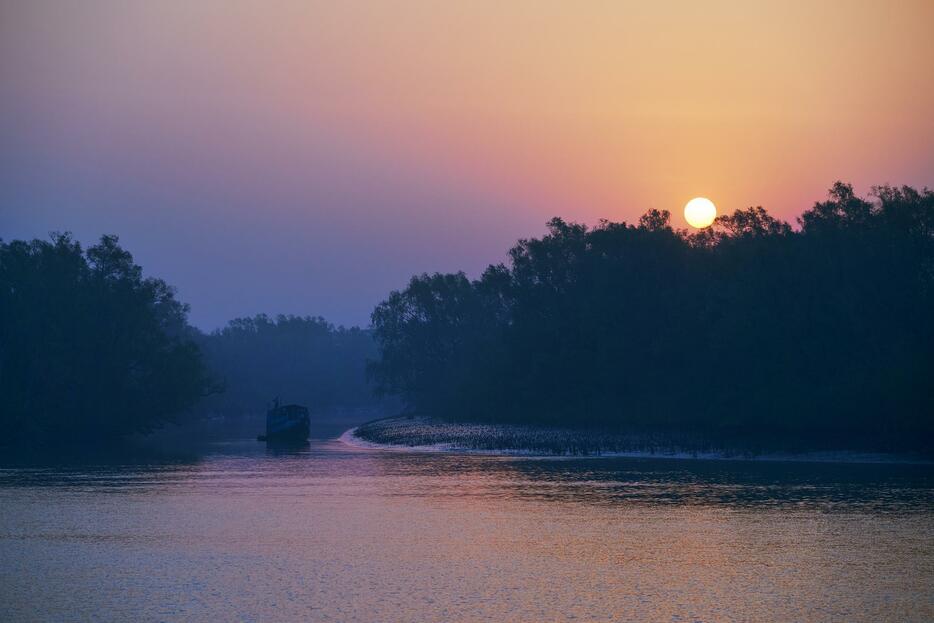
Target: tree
pixel 430 336
pixel 89 348
pixel 746 328
pixel 301 359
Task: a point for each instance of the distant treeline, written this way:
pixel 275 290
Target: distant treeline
pixel 303 360
pixel 746 328
pixel 92 350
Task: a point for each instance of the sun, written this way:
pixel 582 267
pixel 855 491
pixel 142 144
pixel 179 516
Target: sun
pixel 700 212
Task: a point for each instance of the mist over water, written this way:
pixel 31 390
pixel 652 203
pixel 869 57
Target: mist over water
pixel 333 533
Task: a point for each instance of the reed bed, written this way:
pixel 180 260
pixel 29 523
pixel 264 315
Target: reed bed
pixel 436 433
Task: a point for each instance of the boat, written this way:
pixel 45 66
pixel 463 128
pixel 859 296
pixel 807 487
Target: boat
pixel 286 424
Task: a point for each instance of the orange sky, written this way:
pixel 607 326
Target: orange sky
pixel 445 120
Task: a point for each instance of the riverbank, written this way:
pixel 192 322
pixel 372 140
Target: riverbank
pixel 424 434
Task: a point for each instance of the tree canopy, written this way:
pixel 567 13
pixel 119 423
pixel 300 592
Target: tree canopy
pixel 306 360
pixel 89 348
pixel 746 327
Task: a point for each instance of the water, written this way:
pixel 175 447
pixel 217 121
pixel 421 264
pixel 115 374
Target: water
pixel 332 533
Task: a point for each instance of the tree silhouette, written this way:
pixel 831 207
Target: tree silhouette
pixel 305 360
pixel 89 348
pixel 746 328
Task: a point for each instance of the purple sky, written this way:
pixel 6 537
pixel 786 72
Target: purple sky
pixel 308 159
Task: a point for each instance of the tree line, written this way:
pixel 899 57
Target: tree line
pixel 747 328
pixel 301 359
pixel 91 350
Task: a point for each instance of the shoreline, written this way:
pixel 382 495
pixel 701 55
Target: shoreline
pixel 404 431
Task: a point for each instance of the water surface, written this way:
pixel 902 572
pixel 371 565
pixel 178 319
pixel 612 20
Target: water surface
pixel 333 533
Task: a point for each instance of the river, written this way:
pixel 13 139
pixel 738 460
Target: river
pixel 334 533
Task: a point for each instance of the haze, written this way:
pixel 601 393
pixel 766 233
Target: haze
pixel 311 157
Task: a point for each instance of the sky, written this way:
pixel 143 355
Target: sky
pixel 309 157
